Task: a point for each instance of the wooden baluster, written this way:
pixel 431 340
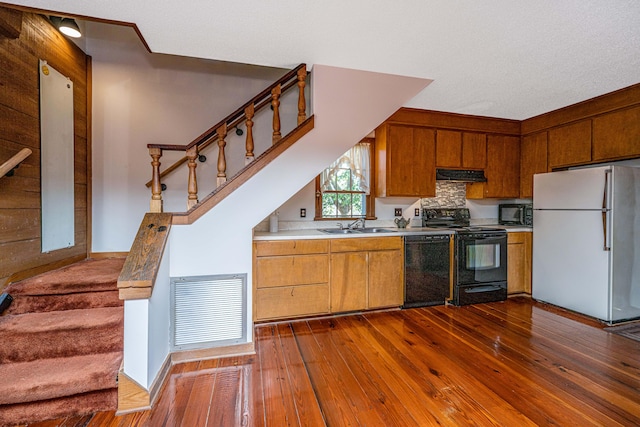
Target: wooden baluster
pixel 249 112
pixel 156 188
pixel 222 161
pixel 275 104
pixel 302 104
pixel 192 189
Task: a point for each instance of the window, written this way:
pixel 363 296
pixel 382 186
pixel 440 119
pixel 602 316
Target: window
pixel 343 190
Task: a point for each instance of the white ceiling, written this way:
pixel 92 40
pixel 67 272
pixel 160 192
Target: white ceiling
pixel 499 58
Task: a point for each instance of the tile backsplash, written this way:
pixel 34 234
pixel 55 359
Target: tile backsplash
pixel 448 195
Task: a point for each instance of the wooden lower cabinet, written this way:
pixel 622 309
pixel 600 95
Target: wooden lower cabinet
pixel 366 274
pixel 292 301
pixel 519 252
pixel 296 278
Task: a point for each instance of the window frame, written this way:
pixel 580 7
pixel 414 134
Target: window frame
pixel 370 199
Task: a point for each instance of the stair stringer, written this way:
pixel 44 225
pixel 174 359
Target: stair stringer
pixel 347 105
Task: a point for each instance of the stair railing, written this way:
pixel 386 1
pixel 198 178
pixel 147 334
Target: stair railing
pixel 10 165
pixel 218 132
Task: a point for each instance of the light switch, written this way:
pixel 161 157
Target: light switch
pixel 303 213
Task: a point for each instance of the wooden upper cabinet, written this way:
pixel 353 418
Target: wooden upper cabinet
pixel 474 150
pixel 533 160
pixel 570 145
pixel 503 167
pixel 448 149
pixel 405 156
pixel 464 150
pixel 617 135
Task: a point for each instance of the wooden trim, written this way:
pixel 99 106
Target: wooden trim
pixel 441 120
pixel 244 175
pixel 89 79
pixel 103 255
pixel 606 103
pixel 213 353
pixel 48 12
pixel 140 269
pixel 132 396
pixel 25 274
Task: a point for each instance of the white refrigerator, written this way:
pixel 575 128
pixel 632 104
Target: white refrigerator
pixel 586 241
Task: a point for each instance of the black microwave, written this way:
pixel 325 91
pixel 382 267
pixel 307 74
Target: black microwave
pixel 515 214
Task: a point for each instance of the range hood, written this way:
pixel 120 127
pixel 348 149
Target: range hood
pixel 457 175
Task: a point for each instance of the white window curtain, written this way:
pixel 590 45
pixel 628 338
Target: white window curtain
pixel 357 159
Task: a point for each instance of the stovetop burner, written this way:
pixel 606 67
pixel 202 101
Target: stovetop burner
pixel 446 217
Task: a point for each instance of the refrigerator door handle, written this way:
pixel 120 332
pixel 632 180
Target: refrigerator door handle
pixel 606 210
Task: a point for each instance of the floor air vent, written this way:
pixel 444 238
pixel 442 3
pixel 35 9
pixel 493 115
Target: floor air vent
pixel 208 311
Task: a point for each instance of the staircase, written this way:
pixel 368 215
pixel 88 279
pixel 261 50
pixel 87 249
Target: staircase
pixel 62 343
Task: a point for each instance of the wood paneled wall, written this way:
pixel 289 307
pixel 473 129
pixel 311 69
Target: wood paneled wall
pixel 20 127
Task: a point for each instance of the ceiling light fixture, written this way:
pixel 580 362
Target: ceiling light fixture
pixel 67 26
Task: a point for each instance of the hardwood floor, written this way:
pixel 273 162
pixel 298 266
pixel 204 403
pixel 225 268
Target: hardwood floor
pixel 513 363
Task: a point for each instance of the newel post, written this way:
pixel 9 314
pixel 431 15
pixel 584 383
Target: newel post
pixel 275 104
pixel 222 161
pixel 249 112
pixel 192 188
pixel 302 104
pixel 156 188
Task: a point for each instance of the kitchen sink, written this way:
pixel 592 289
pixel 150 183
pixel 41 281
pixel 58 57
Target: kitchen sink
pixel 356 230
pixel 338 231
pixel 375 230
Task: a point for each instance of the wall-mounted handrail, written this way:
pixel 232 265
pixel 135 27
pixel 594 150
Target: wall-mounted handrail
pixel 14 161
pixel 217 134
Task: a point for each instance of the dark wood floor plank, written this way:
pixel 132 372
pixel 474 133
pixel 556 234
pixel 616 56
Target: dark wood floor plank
pixel 199 406
pixel 582 375
pixel 559 405
pixel 357 400
pixel 515 362
pixel 374 379
pixel 422 345
pixel 308 409
pixel 336 405
pixel 279 405
pixel 433 405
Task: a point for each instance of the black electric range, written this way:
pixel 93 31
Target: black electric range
pixel 479 256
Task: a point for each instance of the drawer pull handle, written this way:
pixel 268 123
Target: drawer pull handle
pixel 291 291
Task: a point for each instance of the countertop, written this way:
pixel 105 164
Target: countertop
pixel 317 234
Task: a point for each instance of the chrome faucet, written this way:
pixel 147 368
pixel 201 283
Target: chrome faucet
pixel 354 224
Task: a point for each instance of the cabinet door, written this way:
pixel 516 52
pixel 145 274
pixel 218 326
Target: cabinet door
pixel 386 284
pixel 519 263
pixel 503 167
pixel 570 145
pixel 617 135
pixel 410 167
pixel 448 149
pixel 348 281
pixel 533 159
pixel 474 150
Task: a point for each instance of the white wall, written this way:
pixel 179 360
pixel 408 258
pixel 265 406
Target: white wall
pixel 141 98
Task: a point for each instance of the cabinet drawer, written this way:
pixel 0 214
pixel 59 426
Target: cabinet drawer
pixel 291 247
pixel 291 270
pixel 366 244
pixel 292 301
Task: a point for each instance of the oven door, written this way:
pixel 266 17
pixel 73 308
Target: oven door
pixel 481 258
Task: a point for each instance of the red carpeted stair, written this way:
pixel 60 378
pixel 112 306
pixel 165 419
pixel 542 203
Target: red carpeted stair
pixel 62 343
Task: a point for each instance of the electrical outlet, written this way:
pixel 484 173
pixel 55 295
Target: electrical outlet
pixel 416 212
pixel 398 211
pixel 303 213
